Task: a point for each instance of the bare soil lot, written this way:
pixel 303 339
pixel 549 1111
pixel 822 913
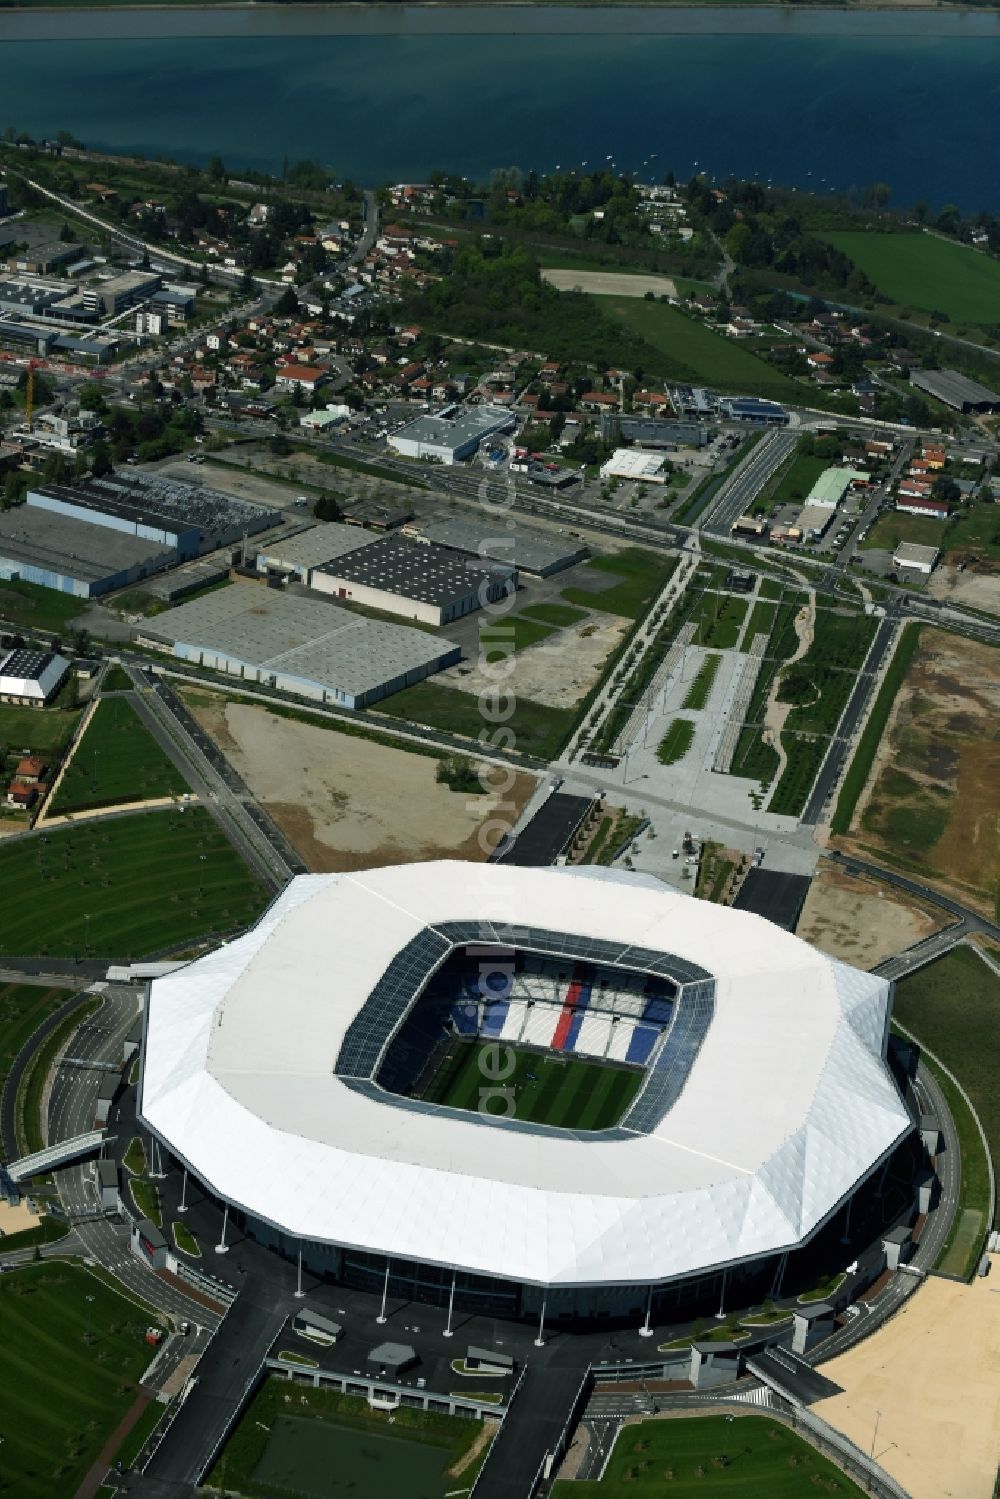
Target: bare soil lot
pixel 939 1445
pixel 346 802
pixel 931 805
pixel 557 672
pixel 848 918
pixel 610 283
pixel 977 586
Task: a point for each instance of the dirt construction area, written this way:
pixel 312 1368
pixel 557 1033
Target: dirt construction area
pixel 931 1377
pixel 346 802
pixel 858 921
pixel 610 283
pixel 931 803
pixel 977 586
pixel 557 672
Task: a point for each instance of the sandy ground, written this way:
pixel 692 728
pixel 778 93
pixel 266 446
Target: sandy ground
pixel 943 735
pixel 558 671
pixel 346 802
pixel 610 283
pixel 979 588
pixel 933 1373
pixel 16 1220
pixel 850 920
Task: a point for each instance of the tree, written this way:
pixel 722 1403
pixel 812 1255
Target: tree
pixel 280 446
pixel 216 169
pixel 100 460
pixel 287 304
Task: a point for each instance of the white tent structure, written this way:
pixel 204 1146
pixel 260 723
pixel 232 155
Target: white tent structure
pixel 767 1104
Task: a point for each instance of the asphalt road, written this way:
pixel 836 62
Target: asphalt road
pixel 839 751
pixel 741 488
pixel 974 921
pixel 8 1098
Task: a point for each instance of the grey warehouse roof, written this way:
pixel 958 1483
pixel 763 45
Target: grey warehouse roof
pixel 953 388
pixel 75 548
pixel 164 503
pixel 534 552
pixel 451 431
pixel 317 545
pixel 299 637
pixel 413 569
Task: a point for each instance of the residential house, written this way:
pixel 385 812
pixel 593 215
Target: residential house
pixel 307 377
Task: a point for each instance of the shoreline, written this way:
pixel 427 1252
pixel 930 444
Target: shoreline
pixel 436 18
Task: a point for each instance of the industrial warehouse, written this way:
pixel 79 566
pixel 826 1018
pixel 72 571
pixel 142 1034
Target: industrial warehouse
pixel 88 539
pixel 296 557
pixel 336 1127
pixel 533 552
pixel 452 434
pixel 415 580
pixel 297 644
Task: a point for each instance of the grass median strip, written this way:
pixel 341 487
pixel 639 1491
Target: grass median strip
pixel 29 1126
pixel 864 756
pixel 698 693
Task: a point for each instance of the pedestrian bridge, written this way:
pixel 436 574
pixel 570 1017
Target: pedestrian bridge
pixel 53 1156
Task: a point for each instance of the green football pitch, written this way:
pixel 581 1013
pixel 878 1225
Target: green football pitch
pixel 495 1078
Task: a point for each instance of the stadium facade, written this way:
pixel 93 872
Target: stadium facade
pixel 283 1071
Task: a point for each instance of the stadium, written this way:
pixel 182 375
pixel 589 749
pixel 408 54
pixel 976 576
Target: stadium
pixel 565 1094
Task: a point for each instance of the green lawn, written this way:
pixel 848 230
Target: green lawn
pixel 896 526
pixel 796 481
pixel 32 607
pixel 692 351
pixel 920 270
pixel 952 1006
pixel 146 1197
pixel 564 1091
pixel 751 1456
pixel 502 637
pixel 43 731
pixel 23 1007
pixel 871 736
pixel 700 690
pixel 116 679
pixel 538 730
pixel 185 1239
pixel 753 757
pixel 71 1354
pixel 117 760
pixel 720 618
pixel 554 614
pixel 977 531
pixel 641 576
pixel 335 1444
pixel 676 741
pixel 125 887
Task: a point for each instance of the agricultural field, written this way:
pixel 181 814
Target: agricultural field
pixel 327 1444
pixel 125 887
pixel 117 760
pixel 930 803
pixel 564 1091
pixel 691 351
pixel 951 1006
pixel 71 1356
pixel 712 1455
pixel 920 270
pixel 636 577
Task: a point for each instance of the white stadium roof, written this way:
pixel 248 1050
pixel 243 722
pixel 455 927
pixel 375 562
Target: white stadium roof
pixel 787 1104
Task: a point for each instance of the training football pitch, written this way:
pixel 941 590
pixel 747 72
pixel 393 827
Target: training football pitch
pixel 496 1078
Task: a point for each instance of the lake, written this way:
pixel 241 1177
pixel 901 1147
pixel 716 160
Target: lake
pixel 824 100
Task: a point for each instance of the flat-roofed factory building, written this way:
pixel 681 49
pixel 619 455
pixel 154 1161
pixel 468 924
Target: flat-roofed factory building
pixel 73 556
pixel 531 552
pixel 297 556
pixel 297 644
pixel 416 580
pixel 190 519
pixel 450 435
